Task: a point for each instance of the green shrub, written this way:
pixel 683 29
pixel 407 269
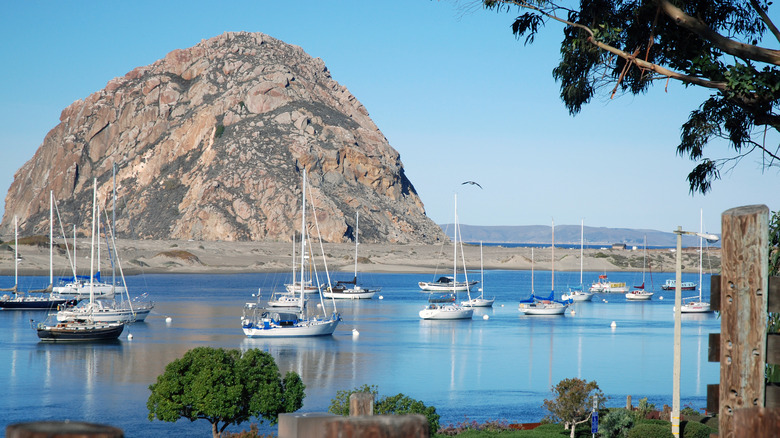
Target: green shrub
pixel 650 430
pixel 644 408
pixel 400 404
pixel 394 405
pixel 339 405
pixel 692 429
pixel 219 131
pixel 616 423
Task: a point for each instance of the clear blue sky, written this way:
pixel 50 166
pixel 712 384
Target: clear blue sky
pixel 446 82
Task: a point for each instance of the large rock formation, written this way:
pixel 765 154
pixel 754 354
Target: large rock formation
pixel 210 142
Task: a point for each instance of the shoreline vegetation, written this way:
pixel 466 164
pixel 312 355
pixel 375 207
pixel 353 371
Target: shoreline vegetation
pixel 222 257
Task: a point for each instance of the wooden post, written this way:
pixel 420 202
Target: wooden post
pixel 744 287
pixel 757 422
pixel 380 426
pixel 361 403
pixel 63 429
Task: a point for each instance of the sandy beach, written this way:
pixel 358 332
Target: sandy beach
pixel 139 256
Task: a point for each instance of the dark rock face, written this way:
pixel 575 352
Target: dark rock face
pixel 210 142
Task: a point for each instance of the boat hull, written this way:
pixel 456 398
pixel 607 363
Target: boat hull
pixel 34 303
pixel 542 309
pixel 304 328
pixel 435 312
pixel 79 332
pixel 478 302
pixel 432 286
pixel 351 294
pixel 578 296
pixel 639 296
pixel 696 307
pixel 107 314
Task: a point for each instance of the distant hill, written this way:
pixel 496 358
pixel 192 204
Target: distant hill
pixel 568 235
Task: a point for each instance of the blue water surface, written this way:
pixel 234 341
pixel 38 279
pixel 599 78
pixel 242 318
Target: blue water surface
pixel 500 368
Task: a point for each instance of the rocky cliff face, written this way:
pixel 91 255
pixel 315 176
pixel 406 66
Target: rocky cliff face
pixel 210 143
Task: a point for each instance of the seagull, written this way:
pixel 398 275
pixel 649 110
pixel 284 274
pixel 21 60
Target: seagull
pixel 474 183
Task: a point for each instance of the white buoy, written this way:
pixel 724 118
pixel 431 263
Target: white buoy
pixel 660 298
pixel 613 325
pixel 129 336
pixel 355 333
pixel 502 305
pixel 168 320
pixel 381 297
pixel 573 312
pixel 319 305
pixel 485 317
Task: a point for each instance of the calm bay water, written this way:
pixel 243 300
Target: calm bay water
pixel 499 368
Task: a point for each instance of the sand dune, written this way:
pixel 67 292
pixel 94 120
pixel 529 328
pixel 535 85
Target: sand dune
pixel 233 257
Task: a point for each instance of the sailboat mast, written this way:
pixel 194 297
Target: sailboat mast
pixel 481 272
pixel 455 252
pixel 582 247
pixel 357 228
pixel 51 237
pixel 553 256
pixel 303 234
pixel 16 251
pixel 644 262
pixel 92 250
pixel 113 226
pixel 532 270
pixel 701 243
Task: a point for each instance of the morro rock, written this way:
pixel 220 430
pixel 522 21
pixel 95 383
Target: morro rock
pixel 210 142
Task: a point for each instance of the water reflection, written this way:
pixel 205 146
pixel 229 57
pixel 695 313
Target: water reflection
pixel 502 367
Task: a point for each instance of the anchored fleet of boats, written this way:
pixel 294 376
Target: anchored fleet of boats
pixel 104 308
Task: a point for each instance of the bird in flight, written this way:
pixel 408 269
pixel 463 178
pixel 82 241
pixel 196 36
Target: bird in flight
pixel 472 183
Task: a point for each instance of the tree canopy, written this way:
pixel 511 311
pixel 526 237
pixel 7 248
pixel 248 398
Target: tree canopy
pixel 224 387
pixel 627 46
pixel 572 402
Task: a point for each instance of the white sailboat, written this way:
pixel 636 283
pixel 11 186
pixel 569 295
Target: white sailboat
pixel 258 322
pixel 85 328
pixel 579 294
pixel 693 305
pixel 109 309
pixel 479 301
pixel 544 305
pixel 439 311
pixel 639 293
pixel 356 292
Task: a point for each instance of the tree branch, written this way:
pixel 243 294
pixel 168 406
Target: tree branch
pixel 729 46
pixel 626 56
pixel 765 18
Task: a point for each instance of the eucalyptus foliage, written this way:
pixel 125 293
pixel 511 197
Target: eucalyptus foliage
pixel 224 387
pixel 625 46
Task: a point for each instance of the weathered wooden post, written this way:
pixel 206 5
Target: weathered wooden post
pixel 744 286
pixel 361 403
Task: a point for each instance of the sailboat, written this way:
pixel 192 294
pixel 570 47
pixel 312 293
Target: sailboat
pixel 107 308
pixel 259 322
pixel 639 293
pixel 46 299
pixel 356 292
pixel 579 294
pixel 544 305
pixel 85 328
pixel 449 310
pixel 699 306
pixel 479 301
